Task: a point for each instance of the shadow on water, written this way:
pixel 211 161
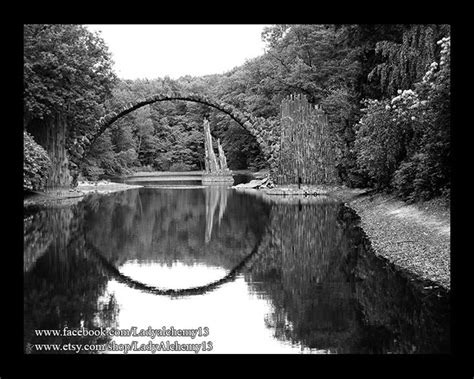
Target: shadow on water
pixel 62 284
pixel 330 291
pixel 311 261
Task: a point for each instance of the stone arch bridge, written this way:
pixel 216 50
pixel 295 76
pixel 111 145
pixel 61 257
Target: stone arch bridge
pixel 258 127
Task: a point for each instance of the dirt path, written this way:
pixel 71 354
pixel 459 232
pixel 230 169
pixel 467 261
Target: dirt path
pixel 414 237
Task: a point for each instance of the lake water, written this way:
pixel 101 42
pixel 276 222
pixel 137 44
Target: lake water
pixel 202 270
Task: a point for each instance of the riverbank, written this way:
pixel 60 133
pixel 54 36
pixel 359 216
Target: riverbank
pixel 414 237
pixel 74 195
pixel 104 187
pixel 71 196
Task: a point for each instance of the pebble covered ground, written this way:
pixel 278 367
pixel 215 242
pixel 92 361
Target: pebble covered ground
pixel 415 237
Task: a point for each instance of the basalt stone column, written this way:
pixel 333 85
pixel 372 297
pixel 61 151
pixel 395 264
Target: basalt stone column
pixel 216 168
pixel 306 153
pixel 50 133
pixel 265 137
pixel 210 158
pixel 59 178
pixel 222 158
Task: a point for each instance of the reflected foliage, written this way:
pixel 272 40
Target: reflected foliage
pixel 169 225
pixel 331 292
pixel 309 259
pixel 63 285
pixel 303 274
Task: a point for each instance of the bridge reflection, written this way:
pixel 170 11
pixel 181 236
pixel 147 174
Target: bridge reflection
pixel 310 260
pixel 245 264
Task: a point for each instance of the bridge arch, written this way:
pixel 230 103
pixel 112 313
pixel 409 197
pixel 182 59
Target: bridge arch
pixel 245 264
pixel 81 147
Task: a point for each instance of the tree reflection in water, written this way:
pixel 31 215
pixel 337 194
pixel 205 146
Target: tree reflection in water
pixel 326 288
pixel 212 226
pixel 63 285
pixel 329 291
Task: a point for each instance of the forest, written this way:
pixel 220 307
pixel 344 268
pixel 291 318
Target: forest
pixel 384 87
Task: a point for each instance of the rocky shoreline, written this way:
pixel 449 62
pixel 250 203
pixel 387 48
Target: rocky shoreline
pixel 414 237
pixel 68 196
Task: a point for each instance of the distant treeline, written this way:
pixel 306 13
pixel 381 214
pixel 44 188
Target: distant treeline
pixel 384 87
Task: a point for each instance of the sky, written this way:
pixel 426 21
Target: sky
pixel 152 51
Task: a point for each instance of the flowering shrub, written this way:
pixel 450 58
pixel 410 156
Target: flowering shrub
pixel 403 143
pixel 36 164
pixel 426 171
pixel 379 144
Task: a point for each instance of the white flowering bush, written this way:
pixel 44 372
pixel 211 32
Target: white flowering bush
pixel 403 143
pixel 36 164
pixel 426 171
pixel 379 144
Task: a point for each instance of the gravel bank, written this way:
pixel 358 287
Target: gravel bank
pixel 74 195
pixel 414 237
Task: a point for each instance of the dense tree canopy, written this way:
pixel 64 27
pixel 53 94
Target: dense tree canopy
pixel 384 87
pixel 67 70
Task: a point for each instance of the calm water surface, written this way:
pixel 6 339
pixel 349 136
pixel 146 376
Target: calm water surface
pixel 244 274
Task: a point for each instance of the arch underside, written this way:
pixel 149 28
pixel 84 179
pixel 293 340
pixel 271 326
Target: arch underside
pixel 246 263
pixel 81 148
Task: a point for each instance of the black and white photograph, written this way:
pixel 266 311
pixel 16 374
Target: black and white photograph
pixel 236 189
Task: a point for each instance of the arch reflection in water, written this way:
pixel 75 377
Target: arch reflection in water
pixel 170 225
pixel 311 285
pixel 178 275
pixel 139 284
pixel 233 315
